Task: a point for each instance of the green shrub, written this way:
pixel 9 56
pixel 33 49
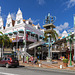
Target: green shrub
pixel 65 60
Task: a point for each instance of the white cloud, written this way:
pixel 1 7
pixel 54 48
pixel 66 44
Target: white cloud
pixel 61 27
pixel 41 2
pixel 13 15
pixel 70 3
pixel 70 30
pixel 37 20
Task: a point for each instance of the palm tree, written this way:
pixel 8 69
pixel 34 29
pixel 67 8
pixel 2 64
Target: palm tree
pixel 4 41
pixel 53 33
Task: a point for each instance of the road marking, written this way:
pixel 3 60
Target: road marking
pixel 7 73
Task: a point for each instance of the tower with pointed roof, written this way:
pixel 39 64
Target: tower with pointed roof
pixel 9 21
pixel 64 34
pixel 19 18
pixel 1 23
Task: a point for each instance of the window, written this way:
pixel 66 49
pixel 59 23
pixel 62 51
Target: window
pixel 18 22
pixel 30 23
pixel 38 27
pixel 8 25
pixel 0 27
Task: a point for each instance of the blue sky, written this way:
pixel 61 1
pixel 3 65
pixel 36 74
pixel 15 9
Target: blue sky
pixel 38 9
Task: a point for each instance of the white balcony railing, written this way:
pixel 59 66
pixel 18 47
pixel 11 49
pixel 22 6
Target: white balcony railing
pixel 14 35
pixel 21 34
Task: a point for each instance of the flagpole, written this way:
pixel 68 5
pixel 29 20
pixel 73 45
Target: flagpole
pixel 74 39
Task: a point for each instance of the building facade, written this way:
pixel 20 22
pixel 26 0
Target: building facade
pixel 15 30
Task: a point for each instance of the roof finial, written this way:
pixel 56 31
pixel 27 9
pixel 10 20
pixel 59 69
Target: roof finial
pixel 19 9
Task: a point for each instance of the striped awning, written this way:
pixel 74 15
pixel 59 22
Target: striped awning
pixel 41 36
pixel 46 43
pixel 5 33
pixel 14 31
pixel 0 34
pixel 10 33
pixel 32 32
pixel 21 30
pixel 28 31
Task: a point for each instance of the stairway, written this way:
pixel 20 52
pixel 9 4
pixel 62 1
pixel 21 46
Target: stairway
pixel 35 44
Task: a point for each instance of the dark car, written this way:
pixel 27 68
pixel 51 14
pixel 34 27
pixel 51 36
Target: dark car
pixel 9 61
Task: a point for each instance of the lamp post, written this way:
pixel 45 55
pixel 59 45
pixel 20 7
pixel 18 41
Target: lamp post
pixel 70 41
pixel 74 40
pixel 49 56
pixel 39 48
pixel 24 43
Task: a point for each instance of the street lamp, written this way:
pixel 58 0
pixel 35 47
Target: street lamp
pixel 24 43
pixel 49 45
pixel 70 41
pixel 74 39
pixel 74 49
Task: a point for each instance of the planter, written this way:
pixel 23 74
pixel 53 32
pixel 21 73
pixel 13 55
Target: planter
pixel 65 64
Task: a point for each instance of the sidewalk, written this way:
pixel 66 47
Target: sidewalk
pixel 48 65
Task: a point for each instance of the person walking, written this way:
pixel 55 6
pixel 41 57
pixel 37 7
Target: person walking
pixel 27 59
pixel 35 60
pixel 32 59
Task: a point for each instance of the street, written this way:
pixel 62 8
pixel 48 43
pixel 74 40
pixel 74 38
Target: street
pixel 26 71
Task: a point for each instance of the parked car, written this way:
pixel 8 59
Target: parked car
pixel 9 62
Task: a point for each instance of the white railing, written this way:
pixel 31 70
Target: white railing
pixel 35 44
pixel 21 34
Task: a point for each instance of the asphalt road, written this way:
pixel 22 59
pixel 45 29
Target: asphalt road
pixel 27 71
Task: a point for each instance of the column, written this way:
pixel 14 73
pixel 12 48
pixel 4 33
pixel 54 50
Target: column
pixel 35 52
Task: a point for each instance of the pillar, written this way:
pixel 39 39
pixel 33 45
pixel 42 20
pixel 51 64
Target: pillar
pixel 35 52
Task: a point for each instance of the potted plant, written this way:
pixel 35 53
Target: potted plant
pixel 65 62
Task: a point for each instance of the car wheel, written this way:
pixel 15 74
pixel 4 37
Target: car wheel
pixel 7 65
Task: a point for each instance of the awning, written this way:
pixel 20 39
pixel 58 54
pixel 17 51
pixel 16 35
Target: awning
pixel 32 32
pixel 14 31
pixel 63 37
pixel 41 36
pixel 5 33
pixel 10 33
pixel 21 30
pixel 0 34
pixel 46 43
pixel 28 31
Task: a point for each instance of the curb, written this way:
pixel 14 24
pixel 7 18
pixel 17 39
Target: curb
pixel 50 69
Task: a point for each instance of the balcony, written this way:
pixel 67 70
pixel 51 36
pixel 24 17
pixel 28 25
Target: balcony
pixel 14 35
pixel 10 36
pixel 32 39
pixel 21 34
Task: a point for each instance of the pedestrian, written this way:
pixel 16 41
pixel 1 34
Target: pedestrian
pixel 27 59
pixel 35 60
pixel 32 59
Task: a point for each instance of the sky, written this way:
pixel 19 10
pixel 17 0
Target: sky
pixel 64 11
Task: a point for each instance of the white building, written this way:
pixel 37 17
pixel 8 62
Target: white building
pixel 15 29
